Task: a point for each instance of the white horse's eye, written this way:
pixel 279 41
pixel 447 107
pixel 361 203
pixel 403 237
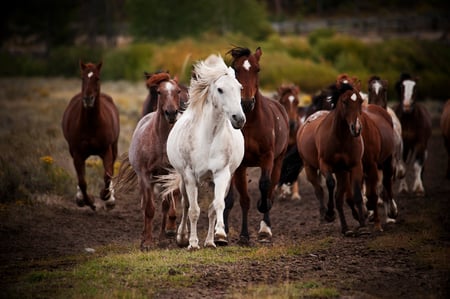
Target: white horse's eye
pixel 220 90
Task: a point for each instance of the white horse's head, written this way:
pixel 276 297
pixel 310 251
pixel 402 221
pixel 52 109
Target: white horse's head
pixel 224 90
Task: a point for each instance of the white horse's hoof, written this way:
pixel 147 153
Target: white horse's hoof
pixel 193 247
pixel 210 244
pixel 265 233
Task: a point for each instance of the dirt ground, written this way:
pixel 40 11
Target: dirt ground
pixel 55 227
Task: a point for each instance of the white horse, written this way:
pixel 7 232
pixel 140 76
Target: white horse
pixel 205 145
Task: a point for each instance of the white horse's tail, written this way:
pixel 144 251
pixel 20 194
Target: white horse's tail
pixel 169 183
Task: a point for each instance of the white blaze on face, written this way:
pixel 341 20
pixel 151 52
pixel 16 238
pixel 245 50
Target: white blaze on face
pixel 377 87
pixel 246 65
pixel 354 97
pixel 90 74
pixel 409 87
pixel 291 98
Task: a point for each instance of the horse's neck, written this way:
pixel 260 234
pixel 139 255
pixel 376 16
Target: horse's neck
pixel 163 125
pixel 91 115
pixel 340 129
pixel 211 119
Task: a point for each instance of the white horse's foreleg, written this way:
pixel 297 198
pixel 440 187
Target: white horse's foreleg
pixel 221 183
pixel 182 234
pixel 418 185
pixel 209 242
pixel 193 212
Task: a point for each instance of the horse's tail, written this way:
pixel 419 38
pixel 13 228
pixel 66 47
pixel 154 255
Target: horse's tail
pixel 169 183
pixel 292 166
pixel 126 179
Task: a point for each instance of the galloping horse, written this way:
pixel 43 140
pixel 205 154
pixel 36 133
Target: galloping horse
pixel 377 95
pixel 151 101
pixel 148 157
pixel 266 136
pixel 445 129
pixel 287 95
pixel 206 146
pixel 330 142
pixel 91 127
pixel 416 131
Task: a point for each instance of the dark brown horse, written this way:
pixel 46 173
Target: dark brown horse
pixel 287 95
pixel 147 155
pixel 416 131
pixel 266 135
pixel 91 127
pixel 330 143
pixel 445 129
pixel 151 101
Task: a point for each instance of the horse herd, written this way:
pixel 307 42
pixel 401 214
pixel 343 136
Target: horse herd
pixel 199 141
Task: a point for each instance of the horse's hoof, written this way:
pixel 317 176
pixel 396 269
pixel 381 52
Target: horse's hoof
pixel 110 205
pixel 348 233
pixel 244 241
pixel 296 197
pixel 145 247
pixel 210 245
pixel 193 247
pixel 221 240
pixel 264 238
pixel 330 218
pixel 364 231
pixel 170 233
pixel 80 202
pixel 390 220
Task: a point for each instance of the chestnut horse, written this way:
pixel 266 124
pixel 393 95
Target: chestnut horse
pixel 445 129
pixel 266 135
pixel 416 131
pixel 91 127
pixel 287 95
pixel 377 95
pixel 151 101
pixel 147 155
pixel 330 143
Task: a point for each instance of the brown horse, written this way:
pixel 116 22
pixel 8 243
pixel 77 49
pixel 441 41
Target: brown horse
pixel 378 136
pixel 416 131
pixel 148 155
pixel 91 127
pixel 377 95
pixel 445 129
pixel 330 142
pixel 266 135
pixel 151 101
pixel 287 95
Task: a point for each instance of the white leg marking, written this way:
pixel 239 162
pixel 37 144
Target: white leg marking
pixel 418 186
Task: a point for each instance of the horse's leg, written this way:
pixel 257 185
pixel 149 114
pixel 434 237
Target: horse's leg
pixel 182 233
pixel 295 192
pixel 221 184
pixel 107 193
pixel 371 184
pixel 343 180
pixel 265 231
pixel 193 210
pixel 240 180
pixel 356 181
pixel 82 196
pixel 403 186
pixel 314 178
pixel 148 209
pixel 418 168
pixel 229 202
pixel 330 182
pixel 171 226
pixel 390 207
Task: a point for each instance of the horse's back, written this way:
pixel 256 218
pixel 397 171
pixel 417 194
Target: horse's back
pixel 306 138
pixel 379 124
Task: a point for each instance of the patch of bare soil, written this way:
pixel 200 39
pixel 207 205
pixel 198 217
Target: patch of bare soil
pixel 57 227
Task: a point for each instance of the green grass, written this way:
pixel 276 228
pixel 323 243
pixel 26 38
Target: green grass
pixel 130 273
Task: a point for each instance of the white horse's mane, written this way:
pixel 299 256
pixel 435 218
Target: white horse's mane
pixel 205 73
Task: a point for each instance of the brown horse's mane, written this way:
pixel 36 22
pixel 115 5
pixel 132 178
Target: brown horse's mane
pixel 238 52
pixel 157 78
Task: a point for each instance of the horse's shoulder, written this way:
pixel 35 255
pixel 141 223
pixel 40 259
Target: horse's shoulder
pixel 276 108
